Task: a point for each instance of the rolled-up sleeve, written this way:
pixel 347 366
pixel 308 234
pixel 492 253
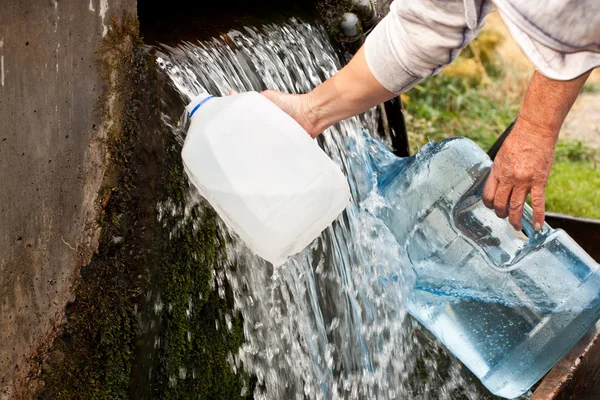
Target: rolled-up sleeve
pixel 418 38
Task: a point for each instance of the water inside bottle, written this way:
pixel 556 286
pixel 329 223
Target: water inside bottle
pixel 508 303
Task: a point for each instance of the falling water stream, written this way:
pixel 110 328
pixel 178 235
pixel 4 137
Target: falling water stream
pixel 326 324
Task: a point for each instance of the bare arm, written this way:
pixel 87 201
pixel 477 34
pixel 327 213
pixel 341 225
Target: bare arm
pixel 349 92
pixel 415 40
pixel 524 161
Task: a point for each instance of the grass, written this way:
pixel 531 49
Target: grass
pixel 592 87
pixel 479 102
pixel 443 106
pixel 574 188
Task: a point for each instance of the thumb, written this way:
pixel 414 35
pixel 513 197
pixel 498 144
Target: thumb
pixel 232 92
pixel 272 95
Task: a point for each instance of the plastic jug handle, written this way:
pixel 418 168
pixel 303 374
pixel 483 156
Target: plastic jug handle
pixel 526 219
pixel 527 222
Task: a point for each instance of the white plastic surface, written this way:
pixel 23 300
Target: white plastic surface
pixel 264 175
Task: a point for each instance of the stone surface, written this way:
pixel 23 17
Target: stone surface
pixel 51 165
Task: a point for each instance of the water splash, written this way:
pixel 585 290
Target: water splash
pixel 326 324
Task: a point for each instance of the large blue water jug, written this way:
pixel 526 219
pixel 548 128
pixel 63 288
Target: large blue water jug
pixel 508 304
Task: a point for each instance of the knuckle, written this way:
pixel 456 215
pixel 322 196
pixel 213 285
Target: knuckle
pixel 499 203
pixel 515 205
pixel 537 201
pixel 505 177
pixel 519 176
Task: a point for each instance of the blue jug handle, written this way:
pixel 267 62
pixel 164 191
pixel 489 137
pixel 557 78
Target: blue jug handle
pixel 535 237
pixel 526 219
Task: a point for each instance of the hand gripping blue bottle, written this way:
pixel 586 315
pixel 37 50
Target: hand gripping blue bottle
pixel 508 304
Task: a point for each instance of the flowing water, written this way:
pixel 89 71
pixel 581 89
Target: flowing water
pixel 325 325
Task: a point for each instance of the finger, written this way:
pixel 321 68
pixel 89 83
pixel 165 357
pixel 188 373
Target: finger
pixel 270 94
pixel 489 190
pixel 232 92
pixel 501 200
pixel 515 206
pixel 538 203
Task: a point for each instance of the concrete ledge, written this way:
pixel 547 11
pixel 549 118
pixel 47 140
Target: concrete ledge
pixel 51 167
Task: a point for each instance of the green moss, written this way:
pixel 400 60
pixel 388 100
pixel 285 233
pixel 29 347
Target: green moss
pixel 432 365
pixel 92 357
pixel 106 347
pixel 193 333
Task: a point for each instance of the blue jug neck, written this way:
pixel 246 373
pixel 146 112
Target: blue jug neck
pixel 373 165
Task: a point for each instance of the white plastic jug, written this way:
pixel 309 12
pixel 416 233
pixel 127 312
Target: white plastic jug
pixel 264 175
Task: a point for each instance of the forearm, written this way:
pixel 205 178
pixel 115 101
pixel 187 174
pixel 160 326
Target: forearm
pixel 548 102
pixel 351 91
pixel 415 40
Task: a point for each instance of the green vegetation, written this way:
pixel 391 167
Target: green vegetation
pixel 574 188
pixel 107 349
pixel 591 88
pixel 444 106
pixel 193 332
pixel 475 98
pixel 574 184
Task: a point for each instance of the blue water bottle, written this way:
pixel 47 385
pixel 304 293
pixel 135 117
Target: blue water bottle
pixel 508 304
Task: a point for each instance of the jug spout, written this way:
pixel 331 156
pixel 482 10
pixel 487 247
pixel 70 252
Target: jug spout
pixel 197 102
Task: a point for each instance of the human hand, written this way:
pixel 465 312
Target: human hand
pixel 296 106
pixel 522 166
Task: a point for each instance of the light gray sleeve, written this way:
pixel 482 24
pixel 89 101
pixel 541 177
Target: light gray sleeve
pixel 418 38
pixel 560 37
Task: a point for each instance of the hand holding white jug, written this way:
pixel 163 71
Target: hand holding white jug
pixel 264 175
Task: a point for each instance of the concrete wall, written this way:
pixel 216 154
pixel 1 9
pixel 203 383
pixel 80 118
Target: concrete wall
pixel 51 166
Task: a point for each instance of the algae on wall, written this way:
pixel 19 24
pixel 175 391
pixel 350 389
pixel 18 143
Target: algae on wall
pixel 106 348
